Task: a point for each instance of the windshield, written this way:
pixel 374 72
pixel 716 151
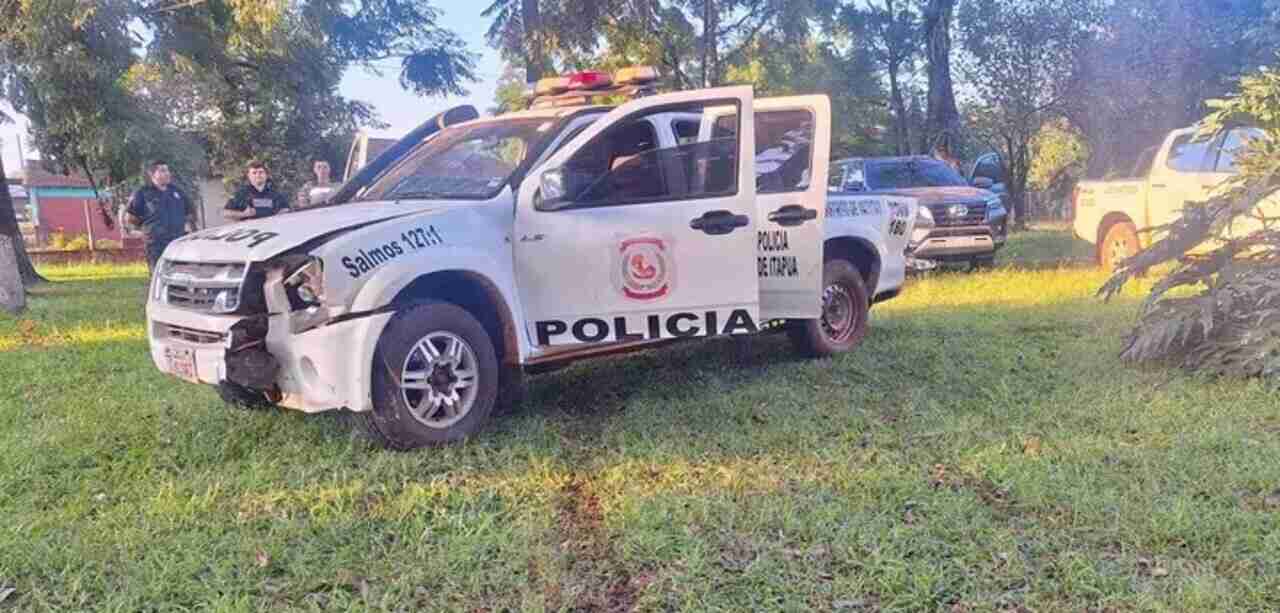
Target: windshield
pixel 905 174
pixel 470 162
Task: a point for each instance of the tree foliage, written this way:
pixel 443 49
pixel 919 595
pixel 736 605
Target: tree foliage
pixel 258 80
pixel 1153 63
pixel 1019 61
pixel 1218 309
pixel 890 32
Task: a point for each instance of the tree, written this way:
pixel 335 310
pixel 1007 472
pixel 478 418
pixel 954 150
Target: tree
pixel 1153 63
pixel 9 227
pixel 942 123
pixel 1229 247
pixel 1019 61
pixel 61 62
pixel 259 80
pixel 1058 158
pixel 891 34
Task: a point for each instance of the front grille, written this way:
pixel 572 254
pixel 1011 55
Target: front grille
pixel 190 335
pixel 193 298
pixel 198 286
pixel 974 213
pixel 960 231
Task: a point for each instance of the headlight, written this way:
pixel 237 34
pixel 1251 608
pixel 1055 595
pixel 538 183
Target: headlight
pixel 924 218
pixel 306 283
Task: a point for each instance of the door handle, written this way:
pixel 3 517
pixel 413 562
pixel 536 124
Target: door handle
pixel 792 215
pixel 1158 186
pixel 718 222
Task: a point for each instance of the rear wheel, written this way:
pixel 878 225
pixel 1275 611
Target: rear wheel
pixel 1119 242
pixel 845 307
pixel 435 378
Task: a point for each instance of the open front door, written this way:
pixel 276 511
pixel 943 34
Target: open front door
pixel 793 144
pixel 623 235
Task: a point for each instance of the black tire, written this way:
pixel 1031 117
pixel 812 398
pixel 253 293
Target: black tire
pixel 391 422
pixel 1118 242
pixel 241 397
pixel 813 337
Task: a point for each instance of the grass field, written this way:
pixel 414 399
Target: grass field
pixel 984 450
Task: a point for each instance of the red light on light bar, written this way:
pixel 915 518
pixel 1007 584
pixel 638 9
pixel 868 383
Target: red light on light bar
pixel 589 79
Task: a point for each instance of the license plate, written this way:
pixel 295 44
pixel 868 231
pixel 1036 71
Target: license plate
pixel 182 363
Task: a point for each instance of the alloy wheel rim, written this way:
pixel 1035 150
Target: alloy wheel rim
pixel 439 380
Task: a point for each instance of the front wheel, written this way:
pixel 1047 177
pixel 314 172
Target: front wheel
pixel 435 378
pixel 845 307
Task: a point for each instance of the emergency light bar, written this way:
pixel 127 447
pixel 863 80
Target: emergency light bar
pixel 581 87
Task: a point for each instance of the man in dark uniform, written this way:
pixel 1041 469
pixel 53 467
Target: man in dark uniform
pixel 257 198
pixel 161 210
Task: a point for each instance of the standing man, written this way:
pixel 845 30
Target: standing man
pixel 319 168
pixel 161 210
pixel 257 198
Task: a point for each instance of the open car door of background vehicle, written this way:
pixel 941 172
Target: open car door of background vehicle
pixel 619 239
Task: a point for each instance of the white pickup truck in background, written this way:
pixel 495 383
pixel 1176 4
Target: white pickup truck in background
pixel 480 249
pixel 1181 169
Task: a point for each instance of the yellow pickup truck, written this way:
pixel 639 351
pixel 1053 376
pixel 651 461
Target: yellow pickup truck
pixel 1182 169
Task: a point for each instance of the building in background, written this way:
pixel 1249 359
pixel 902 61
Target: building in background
pixel 66 205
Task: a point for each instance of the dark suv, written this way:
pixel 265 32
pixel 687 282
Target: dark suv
pixel 969 223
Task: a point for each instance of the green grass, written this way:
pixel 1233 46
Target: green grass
pixel 984 450
pixel 1046 244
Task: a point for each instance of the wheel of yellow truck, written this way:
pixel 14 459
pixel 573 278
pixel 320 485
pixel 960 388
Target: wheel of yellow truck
pixel 435 378
pixel 1119 242
pixel 845 309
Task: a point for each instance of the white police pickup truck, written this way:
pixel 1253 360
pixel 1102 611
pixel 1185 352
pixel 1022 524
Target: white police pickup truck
pixel 478 250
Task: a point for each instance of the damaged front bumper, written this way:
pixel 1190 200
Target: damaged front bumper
pixel 307 360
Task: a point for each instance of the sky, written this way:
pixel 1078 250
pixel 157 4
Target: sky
pixel 395 106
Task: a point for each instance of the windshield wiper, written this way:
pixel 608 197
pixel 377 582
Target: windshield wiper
pixel 415 194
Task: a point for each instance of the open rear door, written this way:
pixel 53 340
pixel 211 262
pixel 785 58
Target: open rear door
pixel 793 145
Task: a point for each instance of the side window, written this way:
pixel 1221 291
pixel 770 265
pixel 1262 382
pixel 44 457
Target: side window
pixel 1236 138
pixel 1187 155
pixel 784 152
pixel 686 131
pixel 624 165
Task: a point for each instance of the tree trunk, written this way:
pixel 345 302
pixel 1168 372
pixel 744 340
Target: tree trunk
pixel 710 59
pixel 1019 167
pixel 9 228
pixel 13 296
pixel 942 126
pixel 534 60
pixel 901 125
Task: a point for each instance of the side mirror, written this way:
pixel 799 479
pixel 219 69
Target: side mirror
pixel 983 182
pixel 552 193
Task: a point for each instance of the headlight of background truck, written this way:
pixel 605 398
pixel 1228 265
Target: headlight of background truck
pixel 924 225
